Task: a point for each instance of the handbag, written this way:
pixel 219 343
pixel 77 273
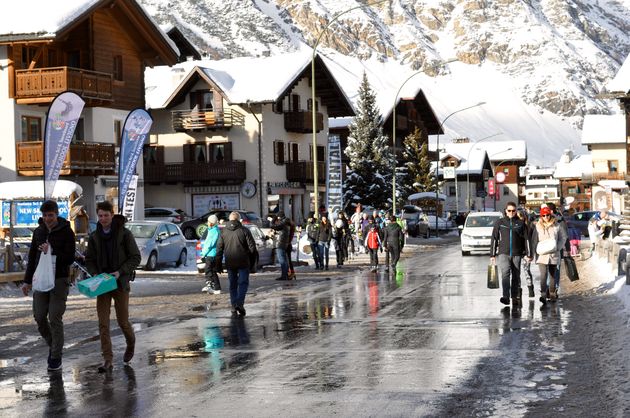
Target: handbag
pixel 44 276
pixel 547 246
pixel 571 268
pixel 493 276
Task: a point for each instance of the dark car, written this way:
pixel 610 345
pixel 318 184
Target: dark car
pixel 194 228
pixel 579 220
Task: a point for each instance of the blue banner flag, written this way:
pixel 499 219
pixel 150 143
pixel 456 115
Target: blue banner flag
pixel 135 131
pixel 63 116
pixel 334 187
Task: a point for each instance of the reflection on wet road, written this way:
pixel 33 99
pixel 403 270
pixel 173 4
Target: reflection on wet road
pixel 427 340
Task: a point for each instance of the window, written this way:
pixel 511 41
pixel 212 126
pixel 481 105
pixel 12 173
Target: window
pixel 573 190
pixel 117 71
pixel 321 153
pixel 172 230
pixel 278 152
pixel 79 132
pixel 536 195
pixel 221 152
pixel 199 153
pixel 452 191
pixel 613 166
pixel 31 128
pixel 117 132
pixel 294 102
pixel 293 152
pixel 506 191
pixel 202 100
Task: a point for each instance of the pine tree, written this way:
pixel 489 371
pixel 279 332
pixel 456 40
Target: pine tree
pixel 371 158
pixel 419 176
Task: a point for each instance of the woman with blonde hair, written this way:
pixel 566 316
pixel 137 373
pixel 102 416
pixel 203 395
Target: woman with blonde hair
pixel 547 242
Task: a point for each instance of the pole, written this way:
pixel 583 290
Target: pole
pixel 456 197
pixel 437 165
pixel 313 107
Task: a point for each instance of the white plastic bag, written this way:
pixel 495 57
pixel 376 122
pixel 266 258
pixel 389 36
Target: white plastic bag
pixel 44 276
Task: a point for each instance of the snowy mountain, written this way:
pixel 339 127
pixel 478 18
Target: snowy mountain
pixel 544 60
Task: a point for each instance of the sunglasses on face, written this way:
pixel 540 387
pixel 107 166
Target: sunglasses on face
pixel 510 210
pixel 546 216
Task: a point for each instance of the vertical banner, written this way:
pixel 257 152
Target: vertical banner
pixel 135 131
pixel 333 179
pixel 130 199
pixel 62 119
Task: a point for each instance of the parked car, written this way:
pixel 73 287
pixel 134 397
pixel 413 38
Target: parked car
pixel 264 246
pixel 580 220
pixel 442 223
pixel 174 215
pixel 195 228
pixel 159 243
pixel 417 223
pixel 477 231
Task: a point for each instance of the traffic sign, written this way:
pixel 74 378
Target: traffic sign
pixel 449 172
pixel 500 177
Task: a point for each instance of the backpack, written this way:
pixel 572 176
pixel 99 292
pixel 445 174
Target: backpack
pixel 372 239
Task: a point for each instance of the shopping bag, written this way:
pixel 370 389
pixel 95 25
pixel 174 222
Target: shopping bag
pixel 493 276
pixel 571 268
pixel 97 285
pixel 44 276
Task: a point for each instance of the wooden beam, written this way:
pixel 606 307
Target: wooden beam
pixel 16 276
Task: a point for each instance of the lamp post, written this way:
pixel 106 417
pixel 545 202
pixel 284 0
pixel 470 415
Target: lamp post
pixel 394 129
pixel 437 165
pixel 313 107
pixel 468 166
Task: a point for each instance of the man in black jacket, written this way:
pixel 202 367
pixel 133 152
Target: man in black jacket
pixel 237 245
pixel 53 234
pixel 393 238
pixel 510 243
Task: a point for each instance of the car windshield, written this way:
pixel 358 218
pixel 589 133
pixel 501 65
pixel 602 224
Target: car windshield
pixel 142 230
pixel 480 221
pixel 410 215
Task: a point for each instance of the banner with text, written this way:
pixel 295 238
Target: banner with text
pixel 135 131
pixel 129 204
pixel 26 212
pixel 62 119
pixel 334 186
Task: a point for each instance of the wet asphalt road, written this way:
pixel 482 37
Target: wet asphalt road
pixel 429 340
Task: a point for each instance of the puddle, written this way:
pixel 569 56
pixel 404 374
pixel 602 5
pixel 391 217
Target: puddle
pixel 13 362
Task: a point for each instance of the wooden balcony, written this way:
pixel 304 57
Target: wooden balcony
pixel 302 121
pixel 595 178
pixel 205 119
pixel 41 85
pixel 226 171
pixel 302 171
pixel 82 159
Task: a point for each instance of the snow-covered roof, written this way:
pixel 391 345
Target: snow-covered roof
pixel 578 166
pixel 604 129
pixel 621 82
pixel 425 195
pixel 479 151
pixel 34 189
pixel 45 19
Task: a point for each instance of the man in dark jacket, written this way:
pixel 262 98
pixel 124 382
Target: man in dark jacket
pixel 312 232
pixel 112 249
pixel 237 245
pixel 393 237
pixel 52 234
pixel 510 243
pixel 283 241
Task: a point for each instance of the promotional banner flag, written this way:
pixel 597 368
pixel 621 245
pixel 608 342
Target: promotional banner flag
pixel 62 119
pixel 130 199
pixel 135 131
pixel 333 180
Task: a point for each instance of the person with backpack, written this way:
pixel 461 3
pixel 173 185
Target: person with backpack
pixel 373 244
pixel 393 237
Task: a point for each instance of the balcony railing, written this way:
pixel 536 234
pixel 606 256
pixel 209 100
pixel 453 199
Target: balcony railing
pixel 302 121
pixel 48 82
pixel 190 120
pixel 226 171
pixel 302 171
pixel 83 159
pixel 598 176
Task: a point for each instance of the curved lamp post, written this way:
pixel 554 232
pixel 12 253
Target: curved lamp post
pixel 468 168
pixel 394 129
pixel 495 171
pixel 313 107
pixel 437 165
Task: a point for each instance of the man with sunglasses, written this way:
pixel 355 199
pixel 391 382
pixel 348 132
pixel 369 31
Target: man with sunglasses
pixel 509 244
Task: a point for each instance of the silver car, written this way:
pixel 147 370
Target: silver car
pixel 159 243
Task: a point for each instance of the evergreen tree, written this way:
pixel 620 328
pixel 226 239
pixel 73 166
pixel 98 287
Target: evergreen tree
pixel 371 158
pixel 417 166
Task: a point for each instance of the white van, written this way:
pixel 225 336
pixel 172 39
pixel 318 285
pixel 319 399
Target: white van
pixel 477 232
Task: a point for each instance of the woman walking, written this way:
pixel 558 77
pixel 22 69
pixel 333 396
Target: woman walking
pixel 547 241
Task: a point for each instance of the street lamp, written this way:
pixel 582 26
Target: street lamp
pixel 394 129
pixel 313 107
pixel 437 165
pixel 468 166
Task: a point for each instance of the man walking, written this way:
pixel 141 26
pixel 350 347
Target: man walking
pixel 393 237
pixel 312 231
pixel 237 245
pixel 54 234
pixel 112 249
pixel 208 253
pixel 510 243
pixel 283 240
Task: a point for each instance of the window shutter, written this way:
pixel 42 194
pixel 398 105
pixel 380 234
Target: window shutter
pixel 188 150
pixel 294 151
pixel 278 152
pixel 228 151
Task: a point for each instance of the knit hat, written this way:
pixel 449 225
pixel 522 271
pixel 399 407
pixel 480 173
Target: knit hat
pixel 545 211
pixel 212 219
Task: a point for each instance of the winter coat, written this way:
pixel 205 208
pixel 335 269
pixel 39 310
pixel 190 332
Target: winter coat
pixel 60 239
pixel 393 235
pixel 125 253
pixel 312 231
pixel 209 247
pixel 509 237
pixel 540 233
pixel 372 239
pixel 325 232
pixel 367 228
pixel 237 244
pixel 283 238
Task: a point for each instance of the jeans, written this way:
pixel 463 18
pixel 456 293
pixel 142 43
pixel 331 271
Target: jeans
pixel 324 248
pixel 284 263
pixel 373 257
pixel 510 266
pixel 551 269
pixel 103 309
pixel 315 249
pixel 48 310
pixel 393 251
pixel 239 282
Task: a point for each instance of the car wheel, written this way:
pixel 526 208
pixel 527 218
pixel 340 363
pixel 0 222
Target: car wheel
pixel 152 261
pixel 183 256
pixel 189 233
pixel 465 253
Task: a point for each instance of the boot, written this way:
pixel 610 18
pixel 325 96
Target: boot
pixel 531 291
pixel 505 301
pixel 515 303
